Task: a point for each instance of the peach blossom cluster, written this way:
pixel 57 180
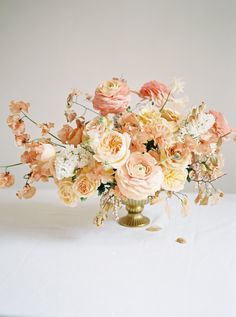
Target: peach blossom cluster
pixel 127 151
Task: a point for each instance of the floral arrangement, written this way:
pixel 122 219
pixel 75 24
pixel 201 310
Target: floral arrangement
pixel 140 150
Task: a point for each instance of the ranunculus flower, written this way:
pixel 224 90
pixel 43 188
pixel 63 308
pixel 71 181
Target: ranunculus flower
pixel 154 90
pixel 85 185
pixel 221 126
pixel 6 180
pixel 113 149
pixel 27 192
pixel 67 193
pixel 112 96
pixel 174 179
pixel 139 177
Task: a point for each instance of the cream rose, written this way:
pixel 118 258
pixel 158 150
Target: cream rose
pixel 67 193
pixel 113 149
pixel 174 179
pixel 139 177
pixel 85 186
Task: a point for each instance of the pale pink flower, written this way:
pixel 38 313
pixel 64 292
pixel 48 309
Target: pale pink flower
pixel 221 126
pixel 27 192
pixel 112 96
pixel 6 180
pixel 139 177
pixel 154 90
pixel 18 106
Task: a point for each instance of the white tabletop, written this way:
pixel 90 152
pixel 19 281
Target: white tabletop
pixel 55 262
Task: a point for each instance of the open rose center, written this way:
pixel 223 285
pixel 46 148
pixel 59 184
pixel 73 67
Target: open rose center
pixel 114 144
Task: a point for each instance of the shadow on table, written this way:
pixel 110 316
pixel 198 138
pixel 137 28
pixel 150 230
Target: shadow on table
pixel 46 220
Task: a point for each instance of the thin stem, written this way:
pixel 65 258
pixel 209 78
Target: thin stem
pixel 167 98
pixel 79 104
pixel 34 122
pixel 11 165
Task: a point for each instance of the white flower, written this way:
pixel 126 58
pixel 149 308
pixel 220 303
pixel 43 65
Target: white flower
pixel 48 152
pixel 84 157
pixel 200 125
pixel 177 86
pixel 66 162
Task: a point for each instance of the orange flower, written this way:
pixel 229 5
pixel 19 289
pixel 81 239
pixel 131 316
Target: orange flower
pixel 18 106
pixel 42 171
pixel 6 180
pixel 16 124
pixel 70 115
pixel 46 127
pixel 27 192
pixel 22 139
pixel 68 135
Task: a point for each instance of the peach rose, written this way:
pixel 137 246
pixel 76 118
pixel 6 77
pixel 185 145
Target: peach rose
pixel 68 135
pixel 67 193
pixel 85 186
pixel 174 179
pixel 6 180
pixel 113 149
pixel 112 96
pixel 154 90
pixel 139 177
pixel 221 126
pixel 27 192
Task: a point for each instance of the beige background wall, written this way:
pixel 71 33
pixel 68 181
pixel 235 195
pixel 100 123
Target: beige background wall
pixel 49 47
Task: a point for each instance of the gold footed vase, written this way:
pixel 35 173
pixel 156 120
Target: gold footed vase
pixel 134 218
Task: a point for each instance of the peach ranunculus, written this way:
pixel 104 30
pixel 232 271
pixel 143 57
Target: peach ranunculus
pixel 18 106
pixel 67 193
pixel 68 135
pixel 174 178
pixel 6 180
pixel 113 149
pixel 27 192
pixel 154 90
pixel 139 177
pixel 85 185
pixel 112 96
pixel 221 127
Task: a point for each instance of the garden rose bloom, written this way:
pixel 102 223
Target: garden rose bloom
pixel 6 180
pixel 221 126
pixel 27 192
pixel 154 90
pixel 66 193
pixel 139 177
pixel 174 179
pixel 85 185
pixel 113 149
pixel 112 96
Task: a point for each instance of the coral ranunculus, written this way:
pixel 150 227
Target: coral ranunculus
pixel 154 90
pixel 112 96
pixel 140 177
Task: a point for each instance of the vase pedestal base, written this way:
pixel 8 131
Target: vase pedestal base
pixel 134 218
